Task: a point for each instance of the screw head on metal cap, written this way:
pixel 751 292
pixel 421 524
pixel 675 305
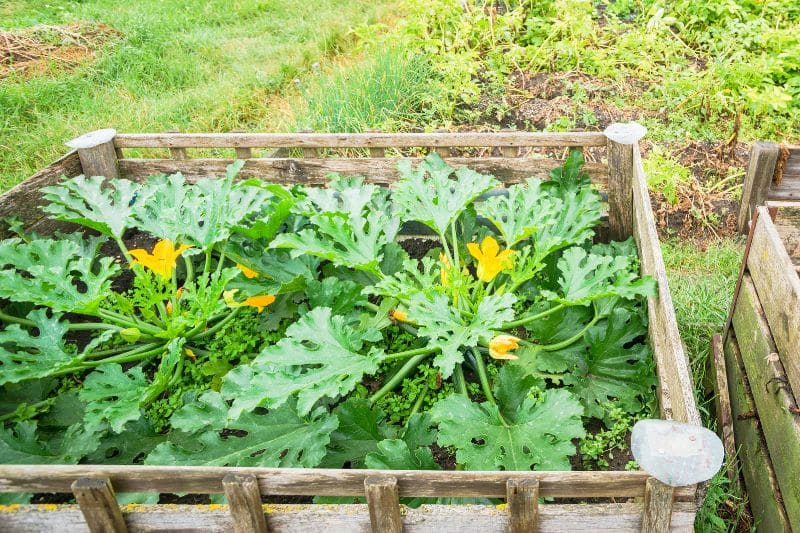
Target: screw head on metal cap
pixel 92 139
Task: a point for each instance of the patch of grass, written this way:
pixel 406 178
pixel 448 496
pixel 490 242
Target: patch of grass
pixel 386 91
pixel 702 283
pixel 180 64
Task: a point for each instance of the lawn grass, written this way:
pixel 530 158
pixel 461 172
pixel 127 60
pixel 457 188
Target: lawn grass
pixel 184 65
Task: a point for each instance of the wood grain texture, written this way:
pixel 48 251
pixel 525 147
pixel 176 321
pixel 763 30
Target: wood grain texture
pixel 315 171
pixel 676 398
pixel 355 140
pixel 244 501
pixel 764 497
pixel 523 506
pixel 722 403
pixel 773 402
pixel 608 518
pixel 100 160
pixel 778 287
pixel 326 482
pixel 99 505
pixel 620 190
pixel 25 199
pixel 383 502
pixel 763 156
pixel 658 501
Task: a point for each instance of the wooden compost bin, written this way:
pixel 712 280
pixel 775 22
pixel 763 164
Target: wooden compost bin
pixel 633 501
pixel 758 357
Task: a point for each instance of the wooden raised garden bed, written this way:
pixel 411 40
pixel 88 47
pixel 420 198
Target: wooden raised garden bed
pixel 626 500
pixel 758 356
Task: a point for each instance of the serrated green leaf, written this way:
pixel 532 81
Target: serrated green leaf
pixel 341 296
pixel 447 329
pixel 54 274
pixel 574 223
pixel 319 358
pixel 130 446
pixel 24 356
pixel 361 428
pixel 102 205
pixel 411 452
pixel 113 396
pixel 586 277
pixel 279 438
pixel 526 210
pixel 427 194
pixel 19 445
pixel 537 437
pixel 614 367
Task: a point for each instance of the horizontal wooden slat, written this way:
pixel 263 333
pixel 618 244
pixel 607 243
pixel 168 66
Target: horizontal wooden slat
pixel 354 140
pixel 323 482
pixel 315 171
pixel 608 518
pixel 789 189
pixel 676 398
pixel 768 386
pixel 778 288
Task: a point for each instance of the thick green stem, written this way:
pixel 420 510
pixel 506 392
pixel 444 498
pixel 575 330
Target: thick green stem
pixel 528 319
pixel 398 378
pixel 123 249
pixel 460 381
pixel 118 350
pixel 483 376
pixel 418 403
pixel 563 344
pixel 456 258
pixel 128 357
pixel 187 262
pixel 80 326
pixel 207 264
pixel 126 321
pixel 36 406
pixel 213 329
pixel 409 353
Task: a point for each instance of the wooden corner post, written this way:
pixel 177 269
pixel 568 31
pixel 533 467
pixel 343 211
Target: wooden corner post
pixel 658 499
pixel 384 504
pixel 522 498
pixel 99 505
pixel 97 153
pixel 244 499
pixel 621 138
pixel 763 158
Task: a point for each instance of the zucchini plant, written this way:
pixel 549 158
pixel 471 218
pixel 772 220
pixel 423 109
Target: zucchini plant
pixel 521 328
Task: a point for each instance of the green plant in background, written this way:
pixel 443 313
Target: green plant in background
pixel 665 174
pixel 387 92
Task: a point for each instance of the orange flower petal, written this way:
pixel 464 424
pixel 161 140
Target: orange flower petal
pixel 259 302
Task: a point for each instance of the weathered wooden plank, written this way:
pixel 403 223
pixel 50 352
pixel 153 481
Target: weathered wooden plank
pixel 384 504
pixel 773 402
pixel 789 190
pixel 244 500
pixel 763 157
pixel 355 140
pixel 315 171
pixel 523 506
pixel 766 502
pixel 658 501
pixel 778 288
pixel 608 518
pixel 674 375
pixel 98 505
pixel 25 199
pixel 620 190
pixel 722 404
pixel 325 482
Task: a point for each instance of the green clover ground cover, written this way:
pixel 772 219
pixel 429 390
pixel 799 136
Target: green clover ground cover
pixel 289 327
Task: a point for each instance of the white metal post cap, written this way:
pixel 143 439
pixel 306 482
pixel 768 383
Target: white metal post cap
pixel 676 453
pixel 92 139
pixel 622 133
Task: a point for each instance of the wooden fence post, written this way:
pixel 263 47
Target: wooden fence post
pixel 244 499
pixel 97 153
pixel 376 151
pixel 384 504
pixel 763 158
pixel 522 498
pixel 99 505
pixel 658 498
pixel 620 190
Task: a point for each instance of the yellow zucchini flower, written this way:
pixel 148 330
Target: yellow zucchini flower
pixel 400 316
pixel 501 345
pixel 162 260
pixel 248 272
pixel 259 302
pixel 491 261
